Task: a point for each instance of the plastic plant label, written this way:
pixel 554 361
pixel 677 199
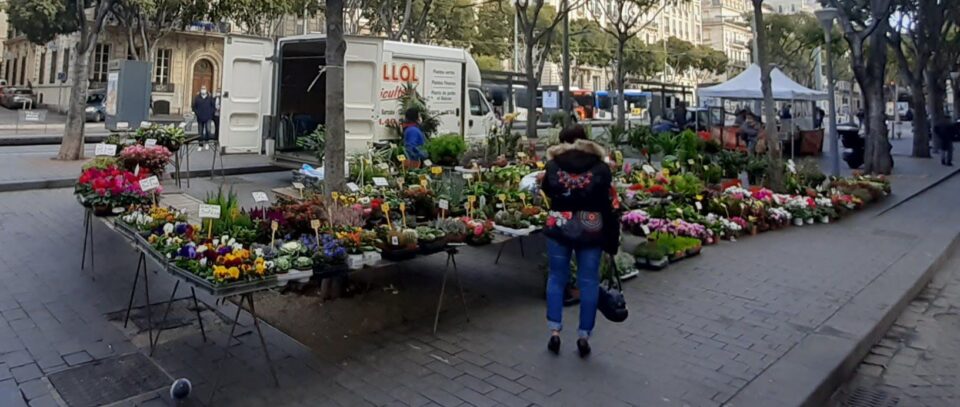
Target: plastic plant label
pixel 383 166
pixel 646 229
pixel 385 207
pixel 618 155
pixel 424 183
pixel 472 198
pixel 106 149
pixel 274 226
pixel 260 196
pixel 210 211
pixel 335 195
pixel 400 182
pixel 352 186
pixel 444 204
pixel 315 224
pixel 403 206
pixel 540 165
pixel 123 125
pixel 402 158
pixel 151 183
pixel 136 171
pixel 394 240
pixel 521 155
pixel 380 181
pixel 427 163
pixel 467 176
pixel 502 197
pixel 699 197
pixel 647 168
pixel 691 162
pixel 436 170
pixel 298 185
pixel 680 211
pixel 698 205
pixel 150 142
pixel 144 124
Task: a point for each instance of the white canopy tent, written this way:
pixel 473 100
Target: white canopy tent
pixel 746 85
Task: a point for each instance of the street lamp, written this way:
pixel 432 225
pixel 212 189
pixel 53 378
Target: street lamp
pixel 826 17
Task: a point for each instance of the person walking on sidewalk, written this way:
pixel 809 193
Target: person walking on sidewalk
pixel 581 221
pixel 203 109
pixel 945 132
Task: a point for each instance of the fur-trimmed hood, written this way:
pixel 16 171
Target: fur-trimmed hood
pixel 579 157
pixel 584 146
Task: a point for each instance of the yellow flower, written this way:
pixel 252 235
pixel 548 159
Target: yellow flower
pixel 246 268
pixel 260 267
pixel 234 272
pixel 219 272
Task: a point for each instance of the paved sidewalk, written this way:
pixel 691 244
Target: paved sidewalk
pixel 917 363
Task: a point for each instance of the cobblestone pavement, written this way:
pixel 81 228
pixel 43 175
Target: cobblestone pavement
pixel 698 332
pixel 917 363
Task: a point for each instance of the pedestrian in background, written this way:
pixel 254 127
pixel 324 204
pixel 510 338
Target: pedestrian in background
pixel 203 109
pixel 750 131
pixel 945 132
pixel 581 222
pixel 216 114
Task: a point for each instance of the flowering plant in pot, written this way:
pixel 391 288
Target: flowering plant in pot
pixel 454 228
pixel 634 221
pixel 480 232
pixel 154 159
pixel 108 188
pixel 171 137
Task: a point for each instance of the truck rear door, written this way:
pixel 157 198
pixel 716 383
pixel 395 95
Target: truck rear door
pixel 247 86
pixel 361 97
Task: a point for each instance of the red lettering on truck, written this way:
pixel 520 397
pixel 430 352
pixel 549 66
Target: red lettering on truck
pixel 406 73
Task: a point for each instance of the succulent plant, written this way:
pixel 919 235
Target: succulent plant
pixel 408 237
pixel 452 226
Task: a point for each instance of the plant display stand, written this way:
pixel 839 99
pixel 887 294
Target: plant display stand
pixel 452 252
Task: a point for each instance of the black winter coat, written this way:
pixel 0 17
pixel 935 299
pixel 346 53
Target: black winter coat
pixel 204 108
pixel 577 179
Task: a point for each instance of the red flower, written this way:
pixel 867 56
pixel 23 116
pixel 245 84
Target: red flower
pixel 551 221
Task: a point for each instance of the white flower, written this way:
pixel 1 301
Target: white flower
pixel 224 238
pixel 169 256
pixel 216 242
pixel 791 166
pixel 258 252
pixel 237 246
pixel 232 242
pixel 168 228
pixel 203 261
pixel 202 249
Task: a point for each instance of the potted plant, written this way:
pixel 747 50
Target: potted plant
pixel 446 150
pixel 153 160
pixel 400 245
pixel 651 255
pixel 455 229
pixel 430 239
pixel 479 232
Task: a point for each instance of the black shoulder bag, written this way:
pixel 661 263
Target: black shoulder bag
pixel 612 304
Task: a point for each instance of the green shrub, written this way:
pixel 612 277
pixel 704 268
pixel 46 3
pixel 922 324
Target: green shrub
pixel 314 142
pixel 446 149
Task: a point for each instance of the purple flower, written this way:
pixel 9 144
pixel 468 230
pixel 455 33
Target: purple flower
pixel 189 251
pixel 181 228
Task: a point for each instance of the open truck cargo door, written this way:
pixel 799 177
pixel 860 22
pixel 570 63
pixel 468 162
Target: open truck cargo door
pixel 361 94
pixel 247 90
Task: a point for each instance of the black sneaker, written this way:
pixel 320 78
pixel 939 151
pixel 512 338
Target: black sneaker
pixel 583 346
pixel 554 344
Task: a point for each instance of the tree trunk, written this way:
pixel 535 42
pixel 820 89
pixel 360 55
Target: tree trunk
pixel 878 159
pixel 620 109
pixel 531 86
pixel 71 148
pixel 937 87
pixel 775 168
pixel 334 153
pixel 921 128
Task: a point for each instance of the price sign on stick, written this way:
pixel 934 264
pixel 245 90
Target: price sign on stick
pixel 315 225
pixel 403 213
pixel 385 207
pixel 540 165
pixel 136 171
pixel 402 158
pixel 427 163
pixel 260 196
pixel 352 186
pixel 299 188
pixel 523 199
pixel 380 181
pixel 424 183
pixel 150 142
pixel 151 183
pixel 273 232
pixel 436 170
pixel 209 212
pixel 444 204
pixel 467 176
pixel 106 149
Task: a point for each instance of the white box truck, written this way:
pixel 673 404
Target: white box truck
pixel 280 89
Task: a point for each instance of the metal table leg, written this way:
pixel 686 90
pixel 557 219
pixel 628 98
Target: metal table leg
pixel 163 321
pixel 504 245
pixel 263 343
pixel 226 353
pixel 451 259
pixel 196 306
pixel 226 349
pixel 142 260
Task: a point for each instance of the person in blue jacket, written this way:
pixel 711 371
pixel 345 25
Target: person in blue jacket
pixel 413 138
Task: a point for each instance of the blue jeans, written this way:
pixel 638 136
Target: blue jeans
pixel 588 280
pixel 202 131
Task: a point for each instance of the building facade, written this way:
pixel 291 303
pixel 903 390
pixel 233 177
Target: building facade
pixel 792 6
pixel 726 29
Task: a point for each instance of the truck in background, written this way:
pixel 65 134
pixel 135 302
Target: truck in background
pixel 279 90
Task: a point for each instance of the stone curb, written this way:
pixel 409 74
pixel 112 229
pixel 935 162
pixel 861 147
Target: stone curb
pixel 808 374
pixel 43 140
pixel 69 182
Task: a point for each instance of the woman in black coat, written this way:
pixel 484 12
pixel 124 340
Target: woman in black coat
pixel 581 221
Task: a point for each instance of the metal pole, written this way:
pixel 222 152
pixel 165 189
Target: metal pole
pixel 516 42
pixel 832 107
pixel 565 96
pixel 896 108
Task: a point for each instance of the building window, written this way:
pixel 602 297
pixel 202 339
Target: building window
pixel 23 70
pixel 13 76
pixel 162 74
pixel 53 67
pixel 43 67
pixel 101 55
pixel 66 62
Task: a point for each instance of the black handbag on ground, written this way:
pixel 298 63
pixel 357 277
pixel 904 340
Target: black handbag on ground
pixel 611 303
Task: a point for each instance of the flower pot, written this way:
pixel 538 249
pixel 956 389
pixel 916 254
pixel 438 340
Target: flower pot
pixel 824 219
pixel 753 230
pixel 354 261
pixel 693 251
pixel 809 221
pixel 400 254
pixel 433 247
pixel 371 258
pixel 173 147
pixel 797 222
pixel 102 210
pixel 657 264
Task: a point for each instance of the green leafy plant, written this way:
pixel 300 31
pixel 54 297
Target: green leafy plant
pixel 233 221
pixel 732 162
pixel 101 162
pixel 315 142
pixel 446 149
pixel 411 99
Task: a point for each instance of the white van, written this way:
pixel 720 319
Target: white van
pixel 283 86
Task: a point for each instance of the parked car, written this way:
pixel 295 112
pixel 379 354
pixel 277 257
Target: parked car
pixel 96 110
pixel 14 98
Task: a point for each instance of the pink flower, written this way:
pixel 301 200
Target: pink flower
pixel 478 231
